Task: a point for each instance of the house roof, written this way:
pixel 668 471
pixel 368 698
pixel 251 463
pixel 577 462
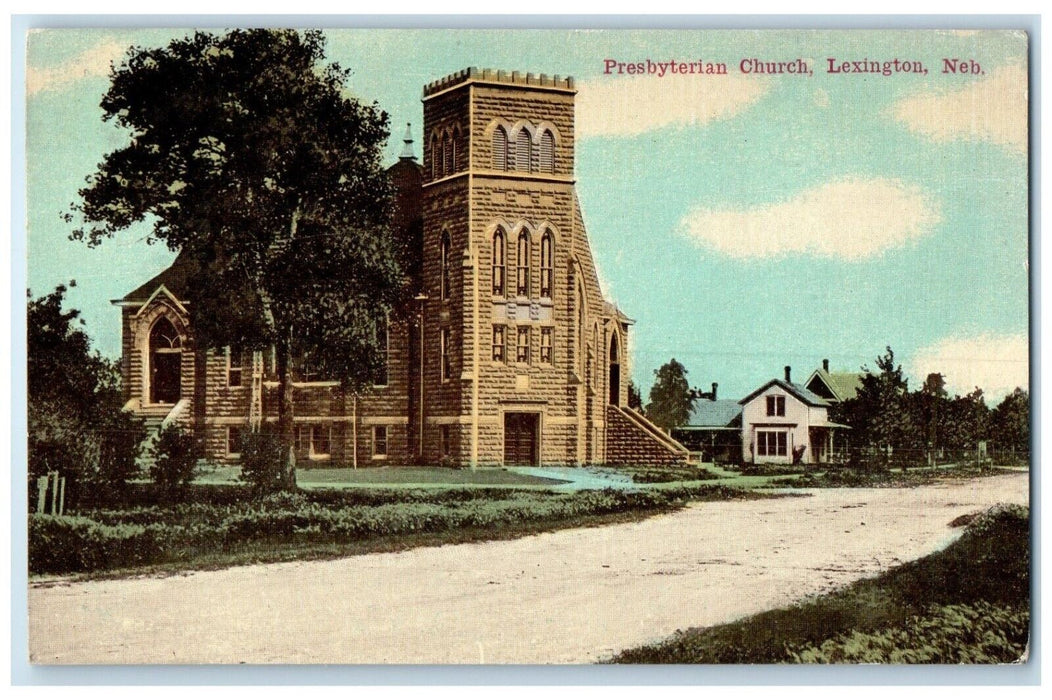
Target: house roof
pixel 174 279
pixel 713 414
pixel 797 390
pixel 842 385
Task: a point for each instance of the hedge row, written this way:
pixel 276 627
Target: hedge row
pixel 141 536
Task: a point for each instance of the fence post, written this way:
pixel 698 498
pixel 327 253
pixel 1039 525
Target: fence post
pixel 42 482
pixel 61 495
pixel 54 492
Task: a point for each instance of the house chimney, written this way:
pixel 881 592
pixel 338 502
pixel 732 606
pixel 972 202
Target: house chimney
pixel 714 385
pixel 788 370
pixel 825 365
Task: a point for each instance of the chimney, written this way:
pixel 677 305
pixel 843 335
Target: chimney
pixel 788 370
pixel 714 385
pixel 825 365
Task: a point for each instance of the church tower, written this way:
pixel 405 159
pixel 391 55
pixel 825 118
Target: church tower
pixel 522 353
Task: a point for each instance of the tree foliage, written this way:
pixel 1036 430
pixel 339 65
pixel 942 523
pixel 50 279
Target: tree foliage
pixel 1010 423
pixel 249 159
pixel 76 425
pixel 670 402
pixel 174 463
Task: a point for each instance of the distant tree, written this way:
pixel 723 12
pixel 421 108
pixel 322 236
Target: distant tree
pixel 670 402
pixel 76 425
pixel 635 399
pixel 880 414
pixel 1010 424
pixel 250 159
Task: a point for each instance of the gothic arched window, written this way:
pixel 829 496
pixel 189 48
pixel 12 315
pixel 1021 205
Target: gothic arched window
pixel 547 270
pixel 523 144
pixel 499 254
pixel 547 154
pixel 522 286
pixel 500 149
pixel 444 267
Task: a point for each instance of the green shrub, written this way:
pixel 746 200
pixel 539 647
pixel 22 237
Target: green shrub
pixel 174 464
pixel 261 461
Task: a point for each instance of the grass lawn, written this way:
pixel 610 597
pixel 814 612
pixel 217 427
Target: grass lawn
pixel 969 603
pixel 418 476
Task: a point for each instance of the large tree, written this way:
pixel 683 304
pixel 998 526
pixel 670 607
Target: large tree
pixel 1010 424
pixel 249 158
pixel 670 401
pixel 76 425
pixel 880 414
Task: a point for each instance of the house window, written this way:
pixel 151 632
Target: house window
pixel 776 405
pixel 379 441
pixel 445 440
pixel 522 346
pixel 233 366
pixel 522 150
pixel 546 265
pixel 498 343
pixel 444 265
pixel 547 156
pixel 319 441
pixel 500 149
pixel 447 365
pixel 546 345
pixel 522 286
pixel 383 341
pixel 233 441
pixel 770 443
pixel 499 252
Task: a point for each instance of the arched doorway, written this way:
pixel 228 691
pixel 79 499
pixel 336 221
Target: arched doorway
pixel 615 370
pixel 166 354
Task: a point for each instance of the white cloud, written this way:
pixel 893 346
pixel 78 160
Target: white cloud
pixel 849 219
pixel 992 108
pixel 90 63
pixel 635 105
pixel 997 364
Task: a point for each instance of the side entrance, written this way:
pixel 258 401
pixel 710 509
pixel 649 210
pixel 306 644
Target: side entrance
pixel 521 439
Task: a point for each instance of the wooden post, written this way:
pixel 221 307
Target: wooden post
pixel 61 495
pixel 53 476
pixel 42 482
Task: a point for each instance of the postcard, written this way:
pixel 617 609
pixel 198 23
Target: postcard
pixel 418 346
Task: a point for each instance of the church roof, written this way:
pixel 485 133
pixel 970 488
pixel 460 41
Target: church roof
pixel 174 279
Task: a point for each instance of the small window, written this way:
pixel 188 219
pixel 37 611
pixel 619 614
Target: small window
pixel 498 343
pixel 379 441
pixel 522 286
pixel 447 365
pixel 303 439
pixel 546 265
pixel 546 345
pixel 523 144
pixel 233 366
pixel 383 340
pixel 547 155
pixel 446 445
pixel 776 405
pixel 444 265
pixel 319 441
pixel 499 253
pixel 522 346
pixel 233 441
pixel 500 149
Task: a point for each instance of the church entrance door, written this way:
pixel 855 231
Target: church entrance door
pixel 521 433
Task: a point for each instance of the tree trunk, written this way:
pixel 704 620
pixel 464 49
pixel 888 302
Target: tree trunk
pixel 286 428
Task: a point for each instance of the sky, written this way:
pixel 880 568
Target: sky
pixel 746 222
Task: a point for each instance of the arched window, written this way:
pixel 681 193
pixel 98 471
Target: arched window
pixel 447 154
pixel 499 253
pixel 522 286
pixel 547 270
pixel 523 142
pixel 547 155
pixel 436 157
pixel 444 267
pixel 615 370
pixel 454 149
pixel 165 363
pixel 579 330
pixel 500 149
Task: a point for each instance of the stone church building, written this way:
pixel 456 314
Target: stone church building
pixel 509 355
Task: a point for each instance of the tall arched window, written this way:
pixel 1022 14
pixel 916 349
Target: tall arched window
pixel 500 149
pixel 447 154
pixel 454 149
pixel 436 157
pixel 579 330
pixel 547 155
pixel 166 352
pixel 523 143
pixel 615 370
pixel 499 253
pixel 522 259
pixel 444 267
pixel 547 270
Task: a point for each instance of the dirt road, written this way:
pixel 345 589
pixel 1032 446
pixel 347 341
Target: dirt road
pixel 573 596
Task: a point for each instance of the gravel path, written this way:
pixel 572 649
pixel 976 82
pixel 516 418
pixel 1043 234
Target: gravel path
pixel 573 596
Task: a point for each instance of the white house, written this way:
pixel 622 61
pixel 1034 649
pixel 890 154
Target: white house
pixel 782 420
